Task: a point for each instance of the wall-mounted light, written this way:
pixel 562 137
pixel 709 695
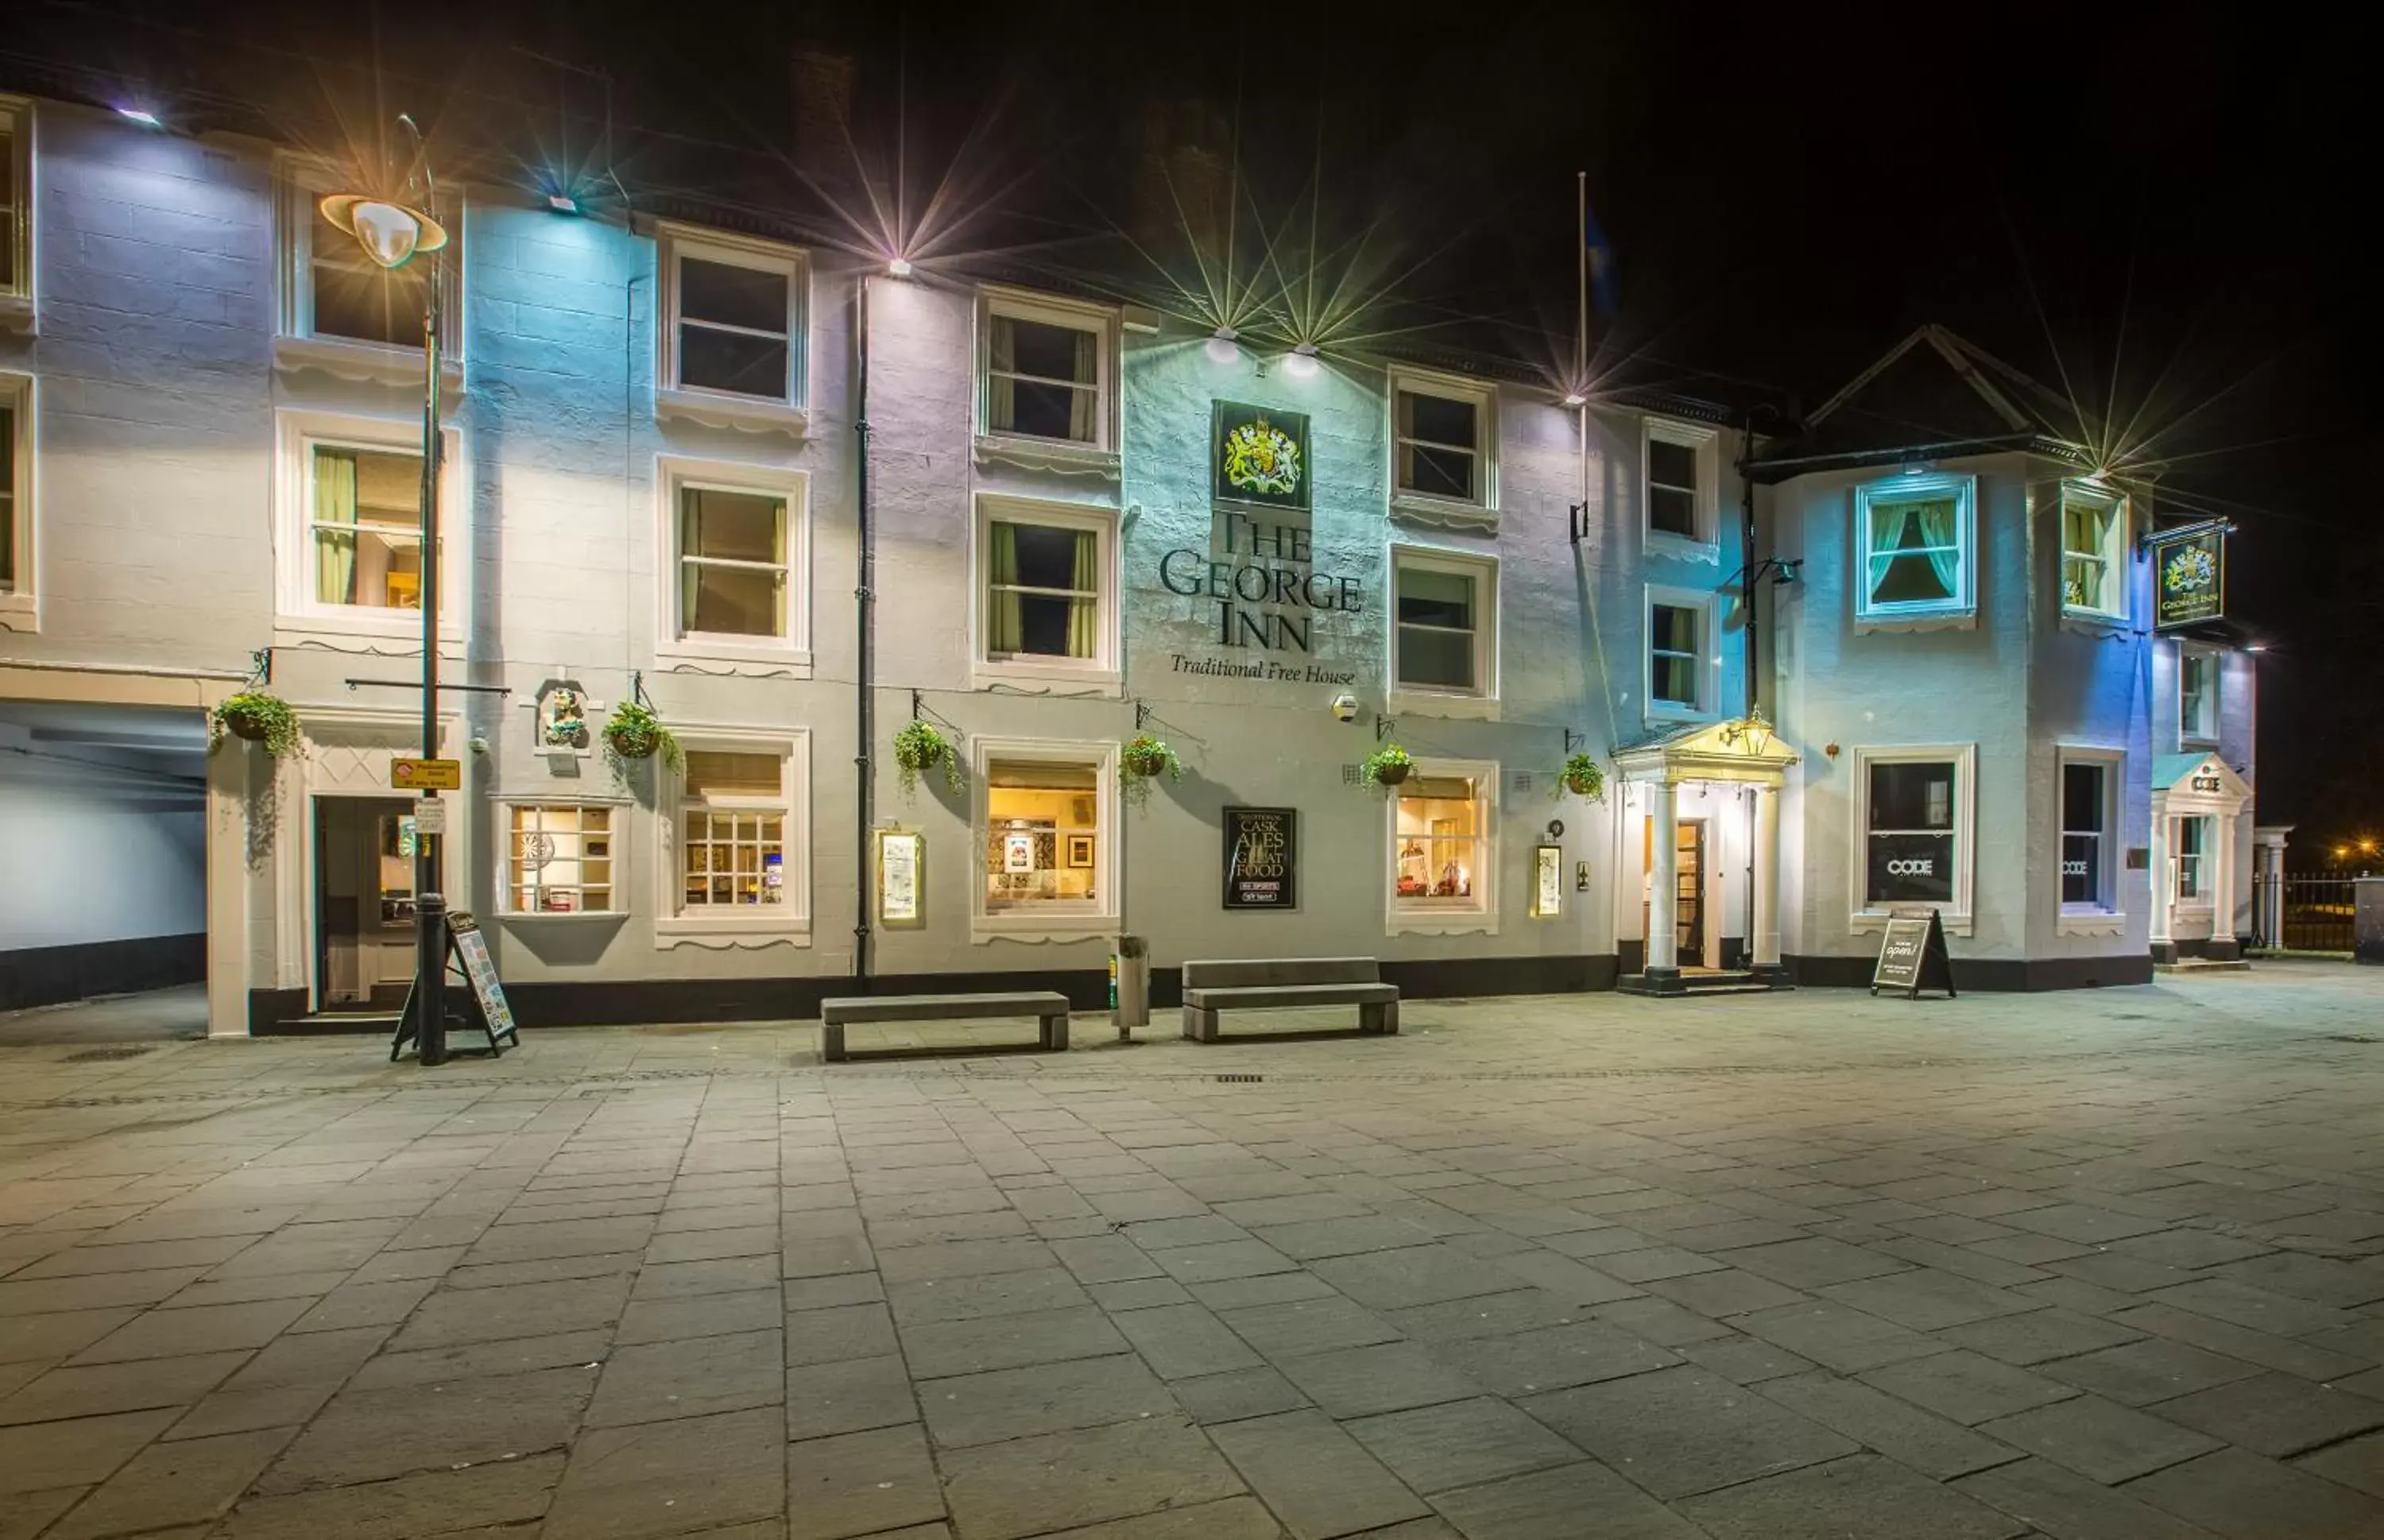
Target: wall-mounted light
pixel 563 202
pixel 1574 401
pixel 1224 346
pixel 898 268
pixel 1301 364
pixel 136 115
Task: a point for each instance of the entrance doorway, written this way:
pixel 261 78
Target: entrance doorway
pixel 1689 888
pixel 363 903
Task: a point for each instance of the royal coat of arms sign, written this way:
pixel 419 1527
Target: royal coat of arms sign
pixel 1258 456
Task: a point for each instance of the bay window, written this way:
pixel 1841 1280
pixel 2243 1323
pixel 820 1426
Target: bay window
pixel 2093 552
pixel 559 859
pixel 1913 831
pixel 1915 546
pixel 1443 865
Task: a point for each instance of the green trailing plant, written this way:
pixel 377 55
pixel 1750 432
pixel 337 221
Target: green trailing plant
pixel 1584 777
pixel 1387 765
pixel 1142 761
pixel 257 716
pixel 919 748
pixel 633 732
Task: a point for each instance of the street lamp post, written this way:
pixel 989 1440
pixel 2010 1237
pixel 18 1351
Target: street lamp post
pixel 393 233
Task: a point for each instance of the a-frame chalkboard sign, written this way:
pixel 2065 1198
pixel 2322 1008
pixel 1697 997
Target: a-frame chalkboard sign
pixel 485 1010
pixel 1912 955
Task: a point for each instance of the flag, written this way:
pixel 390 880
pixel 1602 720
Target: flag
pixel 1601 262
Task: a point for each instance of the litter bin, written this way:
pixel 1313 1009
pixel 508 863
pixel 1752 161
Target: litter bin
pixel 1130 986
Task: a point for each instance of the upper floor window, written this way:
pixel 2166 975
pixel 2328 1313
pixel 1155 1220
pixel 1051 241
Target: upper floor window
pixel 2093 552
pixel 16 198
pixel 333 293
pixel 1681 474
pixel 16 493
pixel 735 541
pixel 732 321
pixel 365 521
pixel 353 297
pixel 1444 638
pixel 1048 589
pixel 1679 628
pixel 1915 542
pixel 1444 438
pixel 2197 695
pixel 348 530
pixel 1047 370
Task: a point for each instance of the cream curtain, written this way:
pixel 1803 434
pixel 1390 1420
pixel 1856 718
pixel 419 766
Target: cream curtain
pixel 335 549
pixel 1084 613
pixel 1084 405
pixel 1001 392
pixel 1005 607
pixel 1937 532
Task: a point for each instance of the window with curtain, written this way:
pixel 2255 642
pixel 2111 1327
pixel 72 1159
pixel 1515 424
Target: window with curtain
pixel 2197 695
pixel 1043 837
pixel 1439 444
pixel 560 859
pixel 364 515
pixel 732 563
pixel 16 219
pixel 1043 590
pixel 1043 381
pixel 2085 831
pixel 1439 628
pixel 356 297
pixel 1908 834
pixel 1441 830
pixel 735 326
pixel 1913 550
pixel 2092 555
pixel 1673 652
pixel 1672 488
pixel 2192 844
pixel 8 420
pixel 733 820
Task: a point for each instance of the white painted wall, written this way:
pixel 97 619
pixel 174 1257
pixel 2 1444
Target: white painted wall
pixel 95 863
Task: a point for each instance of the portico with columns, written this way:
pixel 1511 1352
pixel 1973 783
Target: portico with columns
pixel 1700 822
pixel 2200 883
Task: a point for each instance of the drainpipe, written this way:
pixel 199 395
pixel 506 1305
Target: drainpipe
pixel 1747 557
pixel 864 601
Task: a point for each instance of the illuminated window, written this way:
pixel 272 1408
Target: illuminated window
pixel 2193 845
pixel 1914 539
pixel 560 860
pixel 733 817
pixel 733 317
pixel 732 563
pixel 332 294
pixel 1443 442
pixel 364 512
pixel 16 198
pixel 1681 470
pixel 2197 695
pixel 1044 848
pixel 1909 832
pixel 15 495
pixel 356 297
pixel 1445 636
pixel 2093 552
pixel 2086 834
pixel 1442 829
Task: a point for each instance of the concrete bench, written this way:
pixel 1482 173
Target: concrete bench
pixel 1209 988
pixel 1049 1006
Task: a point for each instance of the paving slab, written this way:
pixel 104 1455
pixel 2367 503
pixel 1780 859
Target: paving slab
pixel 1456 1444
pixel 1551 1504
pixel 2277 1415
pixel 1863 1497
pixel 1686 1430
pixel 2100 1438
pixel 1317 1479
pixel 2070 1507
pixel 2243 1497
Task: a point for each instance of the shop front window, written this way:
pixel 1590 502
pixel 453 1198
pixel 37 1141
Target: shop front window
pixel 1442 832
pixel 2085 831
pixel 733 818
pixel 1043 838
pixel 1910 835
pixel 560 860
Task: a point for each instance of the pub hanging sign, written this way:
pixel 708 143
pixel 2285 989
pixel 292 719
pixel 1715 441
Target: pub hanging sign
pixel 2188 576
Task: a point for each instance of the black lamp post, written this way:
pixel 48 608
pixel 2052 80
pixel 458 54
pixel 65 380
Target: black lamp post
pixel 392 233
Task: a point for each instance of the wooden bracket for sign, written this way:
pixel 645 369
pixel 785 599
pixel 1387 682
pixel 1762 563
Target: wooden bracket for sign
pixel 1384 726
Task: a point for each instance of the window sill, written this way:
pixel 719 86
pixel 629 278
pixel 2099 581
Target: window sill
pixel 1965 619
pixel 2091 922
pixel 748 413
pixel 375 363
pixel 356 634
pixel 1041 928
pixel 1047 678
pixel 561 916
pixel 1065 456
pixel 755 658
pixel 16 313
pixel 1443 512
pixel 2198 742
pixel 20 611
pixel 738 934
pixel 1658 711
pixel 1870 922
pixel 2095 622
pixel 1406 700
pixel 1442 922
pixel 1663 543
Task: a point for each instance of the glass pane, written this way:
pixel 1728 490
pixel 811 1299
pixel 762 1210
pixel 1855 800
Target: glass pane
pixel 735 602
pixel 1042 349
pixel 711 360
pixel 2189 836
pixel 1430 597
pixel 1673 680
pixel 1437 659
pixel 1910 580
pixel 2081 798
pixel 1438 420
pixel 1672 512
pixel 1436 472
pixel 1439 827
pixel 741 527
pixel 747 297
pixel 712 772
pixel 1670 464
pixel 1674 628
pixel 2082 868
pixel 1048 557
pixel 1040 411
pixel 1910 868
pixel 356 299
pixel 1912 795
pixel 1048 627
pixel 1041 841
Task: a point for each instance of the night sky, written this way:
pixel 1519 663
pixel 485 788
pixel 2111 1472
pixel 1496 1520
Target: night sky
pixel 2149 210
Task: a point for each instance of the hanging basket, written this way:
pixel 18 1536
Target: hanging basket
pixel 1584 777
pixel 919 748
pixel 258 716
pixel 1147 757
pixel 635 733
pixel 1388 765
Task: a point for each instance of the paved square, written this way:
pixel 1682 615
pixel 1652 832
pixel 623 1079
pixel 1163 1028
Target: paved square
pixel 2075 1265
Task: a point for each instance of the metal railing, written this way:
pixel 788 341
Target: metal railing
pixel 2303 913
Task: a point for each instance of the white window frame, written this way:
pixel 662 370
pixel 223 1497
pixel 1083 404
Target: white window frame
pixel 1477 916
pixel 2115 554
pixel 789 653
pixel 21 607
pixel 1097 919
pixel 300 182
pixel 1707 603
pixel 1098 675
pixel 675 924
pixel 1025 449
pixel 2206 902
pixel 2192 734
pixel 2107 915
pixel 17 306
pixel 1706 442
pixel 1962 609
pixel 502 903
pixel 788 413
pixel 1480 510
pixel 298 615
pixel 1956 913
pixel 1482 700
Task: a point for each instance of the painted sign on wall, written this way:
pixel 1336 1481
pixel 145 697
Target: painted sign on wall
pixel 1262 858
pixel 2188 577
pixel 1257 454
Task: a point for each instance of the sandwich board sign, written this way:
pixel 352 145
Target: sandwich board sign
pixel 1912 955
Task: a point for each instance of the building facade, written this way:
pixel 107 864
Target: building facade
pixel 792 504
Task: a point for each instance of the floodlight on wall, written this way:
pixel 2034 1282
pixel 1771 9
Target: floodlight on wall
pixel 899 267
pixel 1574 401
pixel 1224 345
pixel 137 114
pixel 1301 364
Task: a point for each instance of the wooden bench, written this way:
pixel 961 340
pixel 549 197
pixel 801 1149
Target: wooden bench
pixel 1209 988
pixel 1049 1006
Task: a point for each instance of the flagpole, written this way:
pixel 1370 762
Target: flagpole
pixel 1581 322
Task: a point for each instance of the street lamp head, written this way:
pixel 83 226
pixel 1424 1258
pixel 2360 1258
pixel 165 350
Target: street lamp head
pixel 389 234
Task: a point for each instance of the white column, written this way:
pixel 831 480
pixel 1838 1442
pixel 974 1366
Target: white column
pixel 2163 881
pixel 2221 844
pixel 1664 878
pixel 1767 877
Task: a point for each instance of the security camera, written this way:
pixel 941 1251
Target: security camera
pixel 1344 707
